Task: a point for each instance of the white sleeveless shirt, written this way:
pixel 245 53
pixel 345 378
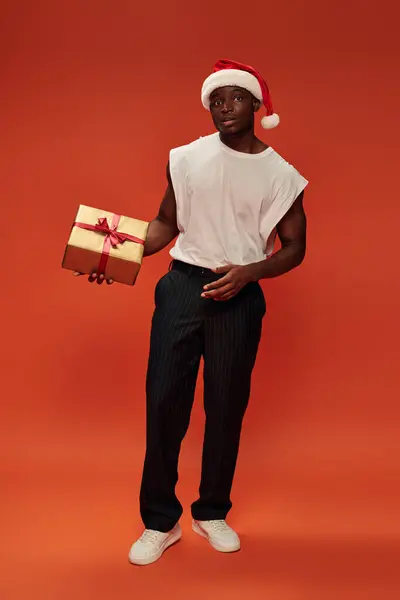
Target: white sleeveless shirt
pixel 229 202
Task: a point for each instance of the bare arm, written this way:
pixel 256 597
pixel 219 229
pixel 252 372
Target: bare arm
pixel 163 229
pixel 292 234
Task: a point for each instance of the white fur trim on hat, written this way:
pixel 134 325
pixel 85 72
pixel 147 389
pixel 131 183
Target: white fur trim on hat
pixel 270 122
pixel 230 77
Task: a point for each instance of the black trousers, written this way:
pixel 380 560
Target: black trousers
pixel 186 327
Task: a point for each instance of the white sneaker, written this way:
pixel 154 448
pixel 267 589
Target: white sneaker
pixel 219 534
pixel 151 544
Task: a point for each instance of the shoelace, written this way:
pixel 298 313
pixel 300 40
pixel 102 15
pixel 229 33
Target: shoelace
pixel 219 525
pixel 149 535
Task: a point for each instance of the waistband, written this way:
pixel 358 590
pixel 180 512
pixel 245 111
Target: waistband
pixel 192 270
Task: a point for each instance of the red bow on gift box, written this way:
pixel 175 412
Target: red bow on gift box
pixel 115 236
pixel 112 237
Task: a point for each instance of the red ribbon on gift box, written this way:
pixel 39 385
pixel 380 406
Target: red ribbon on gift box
pixel 112 237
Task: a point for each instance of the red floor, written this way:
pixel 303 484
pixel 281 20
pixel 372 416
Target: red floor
pixel 67 531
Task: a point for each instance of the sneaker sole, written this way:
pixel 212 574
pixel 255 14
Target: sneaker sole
pixel 203 534
pixel 175 537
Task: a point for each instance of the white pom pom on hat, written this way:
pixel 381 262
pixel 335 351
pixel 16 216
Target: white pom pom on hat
pixel 230 73
pixel 271 121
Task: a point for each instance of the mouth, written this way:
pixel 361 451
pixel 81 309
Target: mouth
pixel 227 122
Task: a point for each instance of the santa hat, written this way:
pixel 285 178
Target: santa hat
pixel 231 73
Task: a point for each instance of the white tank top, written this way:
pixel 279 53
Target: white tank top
pixel 229 202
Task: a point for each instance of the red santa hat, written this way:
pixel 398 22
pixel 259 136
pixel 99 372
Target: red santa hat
pixel 231 73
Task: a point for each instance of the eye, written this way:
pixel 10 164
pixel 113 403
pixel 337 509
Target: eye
pixel 238 98
pixel 216 103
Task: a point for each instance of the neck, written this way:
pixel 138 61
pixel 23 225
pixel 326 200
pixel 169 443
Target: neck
pixel 241 142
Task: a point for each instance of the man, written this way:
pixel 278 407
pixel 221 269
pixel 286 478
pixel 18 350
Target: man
pixel 228 195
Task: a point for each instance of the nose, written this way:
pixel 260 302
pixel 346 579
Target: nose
pixel 226 107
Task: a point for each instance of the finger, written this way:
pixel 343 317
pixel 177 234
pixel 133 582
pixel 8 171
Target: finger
pixel 77 273
pixel 217 293
pixel 224 269
pixel 110 281
pixel 226 297
pixel 214 285
pixel 231 294
pixel 100 279
pixel 92 277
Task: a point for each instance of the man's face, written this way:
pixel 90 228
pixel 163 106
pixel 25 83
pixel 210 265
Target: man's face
pixel 232 109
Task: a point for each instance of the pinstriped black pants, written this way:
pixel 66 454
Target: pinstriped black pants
pixel 186 327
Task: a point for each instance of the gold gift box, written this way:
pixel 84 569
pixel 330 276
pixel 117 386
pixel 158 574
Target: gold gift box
pixel 106 242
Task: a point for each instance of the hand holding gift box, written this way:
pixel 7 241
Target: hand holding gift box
pixel 105 243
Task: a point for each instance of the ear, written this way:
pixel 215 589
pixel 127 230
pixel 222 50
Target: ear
pixel 256 105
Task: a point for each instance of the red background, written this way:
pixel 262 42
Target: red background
pixel 93 96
